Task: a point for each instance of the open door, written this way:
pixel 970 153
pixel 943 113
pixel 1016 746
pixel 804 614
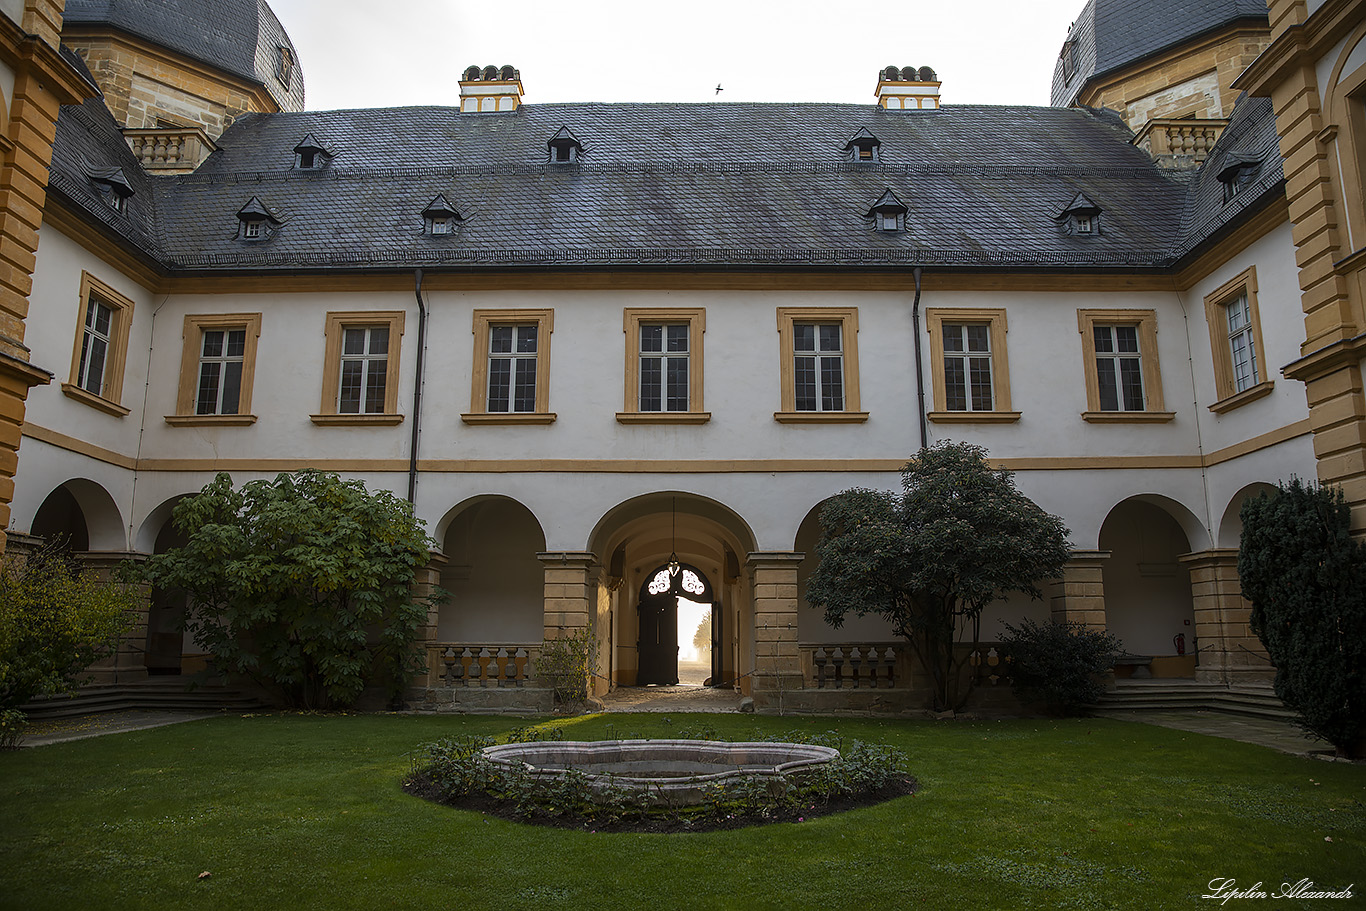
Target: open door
pixel 657 646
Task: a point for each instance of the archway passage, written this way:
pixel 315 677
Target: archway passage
pixel 658 613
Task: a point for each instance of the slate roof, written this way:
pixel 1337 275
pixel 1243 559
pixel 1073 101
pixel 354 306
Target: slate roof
pixel 666 185
pixel 1112 34
pixel 240 37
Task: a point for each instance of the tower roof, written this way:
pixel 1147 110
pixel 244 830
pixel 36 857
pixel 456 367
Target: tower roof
pixel 1109 35
pixel 240 37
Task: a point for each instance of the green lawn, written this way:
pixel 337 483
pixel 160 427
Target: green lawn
pixel 290 811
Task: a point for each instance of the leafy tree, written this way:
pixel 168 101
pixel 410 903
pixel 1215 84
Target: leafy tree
pixel 701 637
pixel 303 583
pixel 958 536
pixel 56 619
pixel 1063 662
pixel 1306 578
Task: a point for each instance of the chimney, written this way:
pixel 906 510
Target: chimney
pixel 908 89
pixel 490 90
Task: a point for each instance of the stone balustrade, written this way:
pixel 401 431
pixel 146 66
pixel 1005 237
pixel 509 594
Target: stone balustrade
pixel 170 151
pixel 989 666
pixel 1179 142
pixel 852 666
pixel 455 664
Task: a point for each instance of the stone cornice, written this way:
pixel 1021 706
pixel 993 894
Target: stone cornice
pixel 1347 352
pixel 1301 45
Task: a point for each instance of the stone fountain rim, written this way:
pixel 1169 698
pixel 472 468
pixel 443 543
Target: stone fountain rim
pixel 513 754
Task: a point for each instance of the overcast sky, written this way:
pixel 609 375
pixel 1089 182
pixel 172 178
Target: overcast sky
pixel 386 53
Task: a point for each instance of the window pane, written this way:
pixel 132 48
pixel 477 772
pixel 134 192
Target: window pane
pixel 1105 378
pixel 651 338
pixel 232 387
pixel 524 398
pixel 832 384
pixel 102 318
pixel 678 384
pixel 206 401
pixel 651 382
pixel 1131 381
pixel 979 375
pixel 92 364
pixel 500 376
pixel 804 381
pixel 1104 337
pixel 678 337
pixel 213 343
pixel 353 341
pixel 376 370
pixel 955 385
pixel 1126 339
pixel 348 399
pixel 979 338
pixel 500 339
pixel 830 337
pixel 953 337
pixel 804 337
pixel 237 343
pixel 1237 314
pixel 526 339
pixel 379 340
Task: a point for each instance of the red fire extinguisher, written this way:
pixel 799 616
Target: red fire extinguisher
pixel 1180 642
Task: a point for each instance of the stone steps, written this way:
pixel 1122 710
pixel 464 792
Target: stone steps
pixel 1254 701
pixel 159 695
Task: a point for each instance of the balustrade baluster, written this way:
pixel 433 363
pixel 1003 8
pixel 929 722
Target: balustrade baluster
pixel 520 659
pixel 854 661
pixel 890 658
pixel 838 661
pixel 818 658
pixel 510 666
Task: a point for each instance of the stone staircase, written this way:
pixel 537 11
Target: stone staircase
pixel 175 694
pixel 1179 695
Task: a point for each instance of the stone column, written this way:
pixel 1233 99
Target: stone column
pixel 570 599
pixel 428 578
pixel 1229 653
pixel 1079 596
pixel 129 663
pixel 777 661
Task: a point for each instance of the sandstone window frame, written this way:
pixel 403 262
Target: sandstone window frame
pixel 633 318
pixel 998 327
pixel 1145 322
pixel 109 398
pixel 1217 303
pixel 483 323
pixel 334 327
pixel 196 324
pixel 847 319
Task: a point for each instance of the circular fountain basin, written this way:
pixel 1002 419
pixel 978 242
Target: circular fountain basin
pixel 672 772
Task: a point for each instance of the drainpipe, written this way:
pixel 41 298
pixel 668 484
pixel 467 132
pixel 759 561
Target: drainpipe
pixel 919 371
pixel 417 387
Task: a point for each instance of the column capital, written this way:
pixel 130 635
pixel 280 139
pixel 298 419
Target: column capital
pixel 773 559
pixel 568 558
pixel 1210 555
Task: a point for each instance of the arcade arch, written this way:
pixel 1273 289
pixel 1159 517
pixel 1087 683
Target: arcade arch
pixel 1148 602
pixel 82 514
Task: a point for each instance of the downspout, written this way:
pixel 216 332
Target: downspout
pixel 919 371
pixel 417 386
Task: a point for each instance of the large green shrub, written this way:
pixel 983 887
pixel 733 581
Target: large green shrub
pixel 1064 663
pixel 959 536
pixel 56 619
pixel 568 665
pixel 303 583
pixel 1306 578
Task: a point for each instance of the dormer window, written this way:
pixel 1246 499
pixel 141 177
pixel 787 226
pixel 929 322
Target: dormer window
pixel 1080 217
pixel 440 217
pixel 863 147
pixel 114 187
pixel 564 147
pixel 888 214
pixel 310 155
pixel 1237 173
pixel 255 221
pixel 284 65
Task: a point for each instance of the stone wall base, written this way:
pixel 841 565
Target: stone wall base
pixel 478 699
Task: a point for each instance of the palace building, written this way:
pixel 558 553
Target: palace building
pixel 591 339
